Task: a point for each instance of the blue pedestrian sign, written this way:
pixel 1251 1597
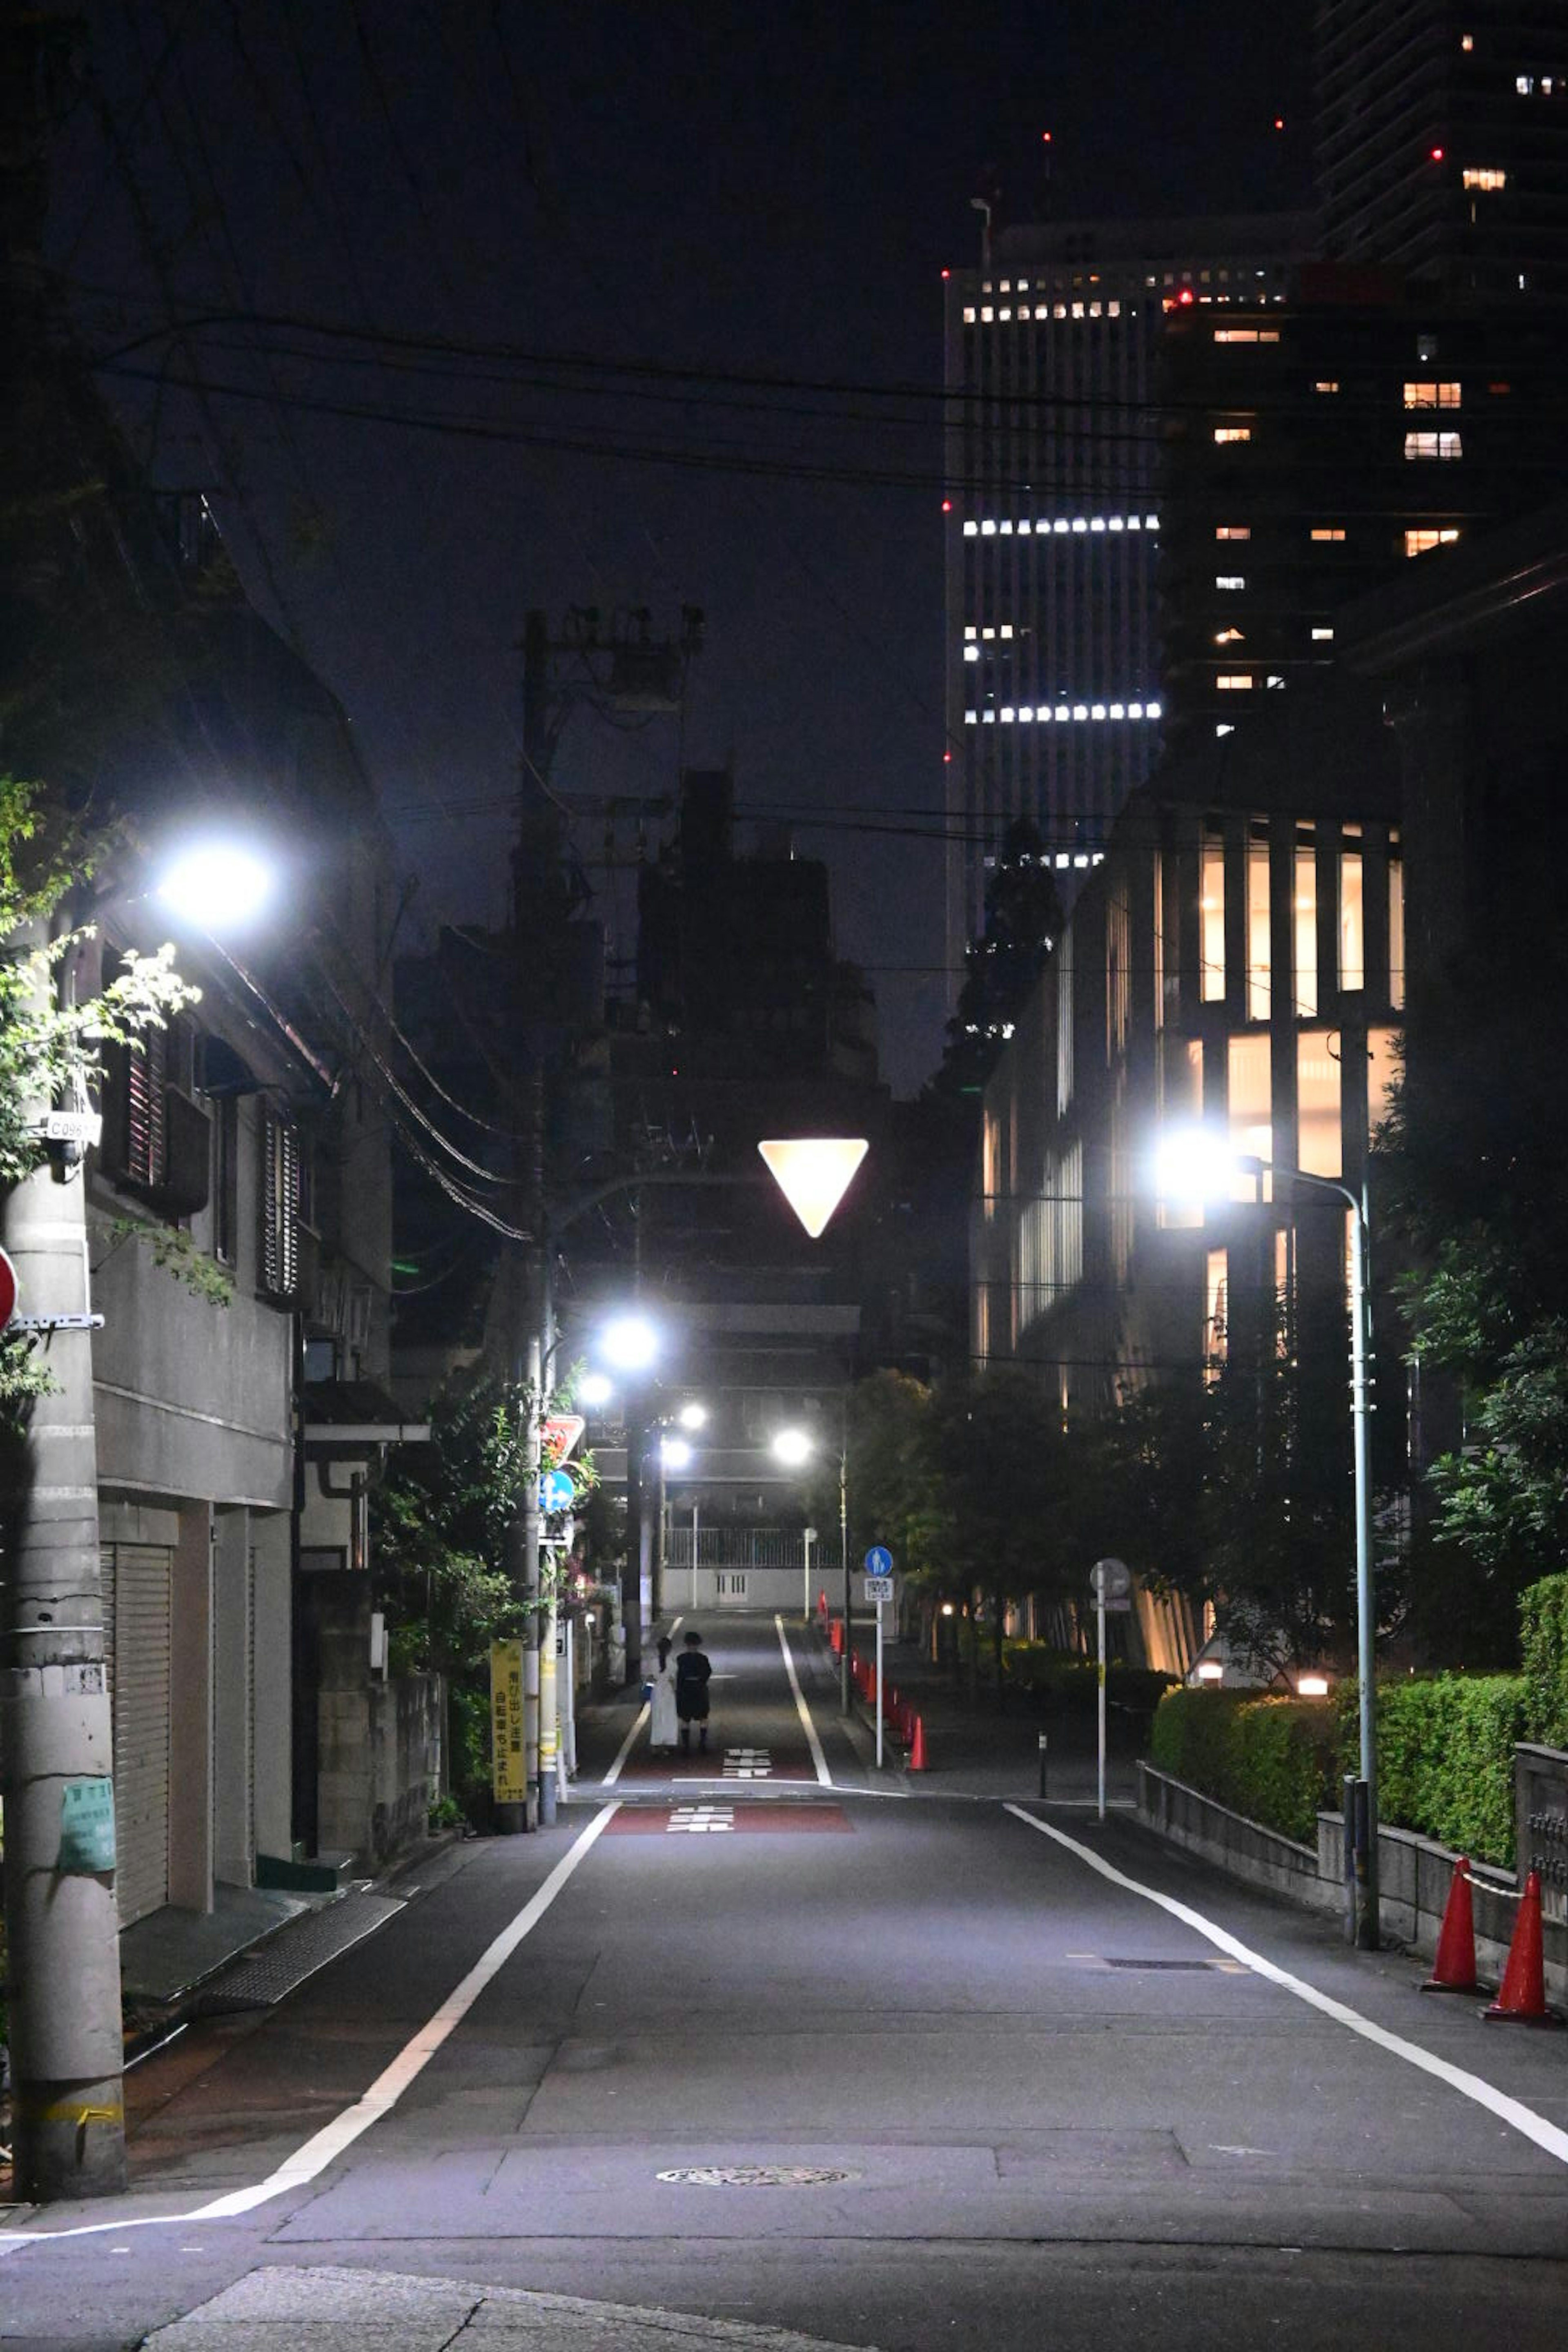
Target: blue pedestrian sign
pixel 556 1492
pixel 878 1560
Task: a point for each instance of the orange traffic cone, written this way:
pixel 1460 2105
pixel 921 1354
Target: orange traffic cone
pixel 1454 1970
pixel 918 1748
pixel 822 1606
pixel 836 1636
pixel 1522 1995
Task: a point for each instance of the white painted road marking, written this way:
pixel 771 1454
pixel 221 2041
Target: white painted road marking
pixel 804 1712
pixel 389 2085
pixel 1548 2137
pixel 701 1817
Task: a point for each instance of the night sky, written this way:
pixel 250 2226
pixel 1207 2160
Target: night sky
pixel 723 191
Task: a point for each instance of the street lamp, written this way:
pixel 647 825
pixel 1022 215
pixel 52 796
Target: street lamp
pixel 1198 1163
pixel 795 1448
pixel 675 1454
pixel 630 1343
pixel 595 1389
pixel 692 1416
pixel 216 886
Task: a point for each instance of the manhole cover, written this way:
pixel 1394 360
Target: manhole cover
pixel 754 2176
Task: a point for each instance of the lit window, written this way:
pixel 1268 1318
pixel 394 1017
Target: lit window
pixel 1215 1314
pixel 1487 177
pixel 988 631
pixel 1236 335
pixel 1233 530
pixel 1133 524
pixel 971 718
pixel 1081 710
pixel 1467 42
pixel 1005 630
pixel 1005 528
pixel 1151 710
pixel 1223 433
pixel 1225 727
pixel 1229 636
pixel 1352 934
pixel 1006 714
pixel 1525 84
pixel 1323 635
pixel 1328 531
pixel 1119 711
pixel 1097 710
pixel 1235 681
pixel 1080 522
pixel 1258 934
pixel 1418 542
pixel 1113 309
pixel 987 530
pixel 1432 395
pixel 1250 1095
pixel 1229 579
pixel 1135 711
pixel 1318 1147
pixel 970 630
pixel 969 317
pixel 1395 932
pixel 1211 914
pixel 1327 384
pixel 986 314
pixel 1306 913
pixel 970 530
pixel 1432 445
pixel 1118 524
pixel 1274 677
pixel 1151 522
pixel 971 653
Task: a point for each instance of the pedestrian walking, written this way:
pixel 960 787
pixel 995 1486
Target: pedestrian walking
pixel 692 1675
pixel 661 1692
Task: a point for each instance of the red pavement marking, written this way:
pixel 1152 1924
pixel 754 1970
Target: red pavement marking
pixel 646 1767
pixel 653 1821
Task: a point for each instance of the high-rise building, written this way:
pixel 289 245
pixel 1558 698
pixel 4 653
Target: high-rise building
pixel 1052 460
pixel 1315 447
pixel 1441 136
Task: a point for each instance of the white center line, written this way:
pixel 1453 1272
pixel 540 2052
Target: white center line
pixel 1547 2137
pixel 804 1712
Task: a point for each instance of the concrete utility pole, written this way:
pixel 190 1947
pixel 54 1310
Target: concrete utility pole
pixel 55 1741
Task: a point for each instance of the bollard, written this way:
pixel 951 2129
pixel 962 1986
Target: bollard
pixel 1357 1841
pixel 1044 1744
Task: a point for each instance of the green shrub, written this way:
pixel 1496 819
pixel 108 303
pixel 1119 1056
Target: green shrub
pixel 1445 1758
pixel 1544 1639
pixel 1271 1759
pixel 1065 1680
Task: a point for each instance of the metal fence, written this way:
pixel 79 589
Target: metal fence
pixel 733 1548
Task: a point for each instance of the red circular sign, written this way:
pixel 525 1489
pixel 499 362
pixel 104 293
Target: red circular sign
pixel 7 1290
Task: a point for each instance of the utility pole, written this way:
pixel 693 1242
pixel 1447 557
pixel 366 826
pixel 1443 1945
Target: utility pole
pixel 56 1742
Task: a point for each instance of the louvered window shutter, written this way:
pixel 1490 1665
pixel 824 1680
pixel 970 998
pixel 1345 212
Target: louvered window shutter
pixel 279 1209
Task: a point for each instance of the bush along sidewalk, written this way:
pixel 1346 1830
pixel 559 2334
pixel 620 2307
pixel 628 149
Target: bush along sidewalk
pixel 1445 1742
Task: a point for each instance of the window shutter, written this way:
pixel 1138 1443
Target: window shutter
pixel 146 1129
pixel 279 1209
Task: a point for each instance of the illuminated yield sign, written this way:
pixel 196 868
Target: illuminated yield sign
pixel 560 1433
pixel 813 1172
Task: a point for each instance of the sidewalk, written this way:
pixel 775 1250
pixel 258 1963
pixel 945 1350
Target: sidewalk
pixel 973 1748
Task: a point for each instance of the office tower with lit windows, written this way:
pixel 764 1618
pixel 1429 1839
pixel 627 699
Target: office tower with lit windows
pixel 1441 138
pixel 1314 447
pixel 1053 701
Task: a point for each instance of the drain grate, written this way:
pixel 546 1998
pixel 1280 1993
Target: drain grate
pixel 294 1953
pixel 1225 1967
pixel 754 2176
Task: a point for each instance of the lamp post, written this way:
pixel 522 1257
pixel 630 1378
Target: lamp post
pixel 794 1448
pixel 1197 1161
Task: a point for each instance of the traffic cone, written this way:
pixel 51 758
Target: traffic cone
pixel 918 1748
pixel 822 1606
pixel 1522 1996
pixel 1454 1970
pixel 836 1635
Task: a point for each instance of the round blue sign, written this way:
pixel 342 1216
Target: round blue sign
pixel 878 1560
pixel 556 1492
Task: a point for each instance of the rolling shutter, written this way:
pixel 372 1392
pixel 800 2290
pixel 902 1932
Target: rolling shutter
pixel 136 1581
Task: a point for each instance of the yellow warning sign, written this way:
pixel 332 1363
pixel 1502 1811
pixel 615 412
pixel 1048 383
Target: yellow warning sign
pixel 508 1776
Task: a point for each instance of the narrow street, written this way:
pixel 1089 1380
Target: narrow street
pixel 1013 2099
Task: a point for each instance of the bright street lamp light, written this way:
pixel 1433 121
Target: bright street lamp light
pixel 595 1389
pixel 630 1342
pixel 217 886
pixel 675 1454
pixel 693 1415
pixel 1197 1163
pixel 793 1447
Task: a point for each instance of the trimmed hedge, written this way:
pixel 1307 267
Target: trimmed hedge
pixel 1067 1680
pixel 1445 1758
pixel 1544 1643
pixel 1273 1759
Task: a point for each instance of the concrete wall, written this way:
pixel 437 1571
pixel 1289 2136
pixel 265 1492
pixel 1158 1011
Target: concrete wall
pixel 1415 1874
pixel 765 1589
pixel 272 1687
pixel 380 1767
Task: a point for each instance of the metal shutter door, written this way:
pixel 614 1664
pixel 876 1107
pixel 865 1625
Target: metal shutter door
pixel 139 1686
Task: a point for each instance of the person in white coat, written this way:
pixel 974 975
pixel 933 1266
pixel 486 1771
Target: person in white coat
pixel 662 1726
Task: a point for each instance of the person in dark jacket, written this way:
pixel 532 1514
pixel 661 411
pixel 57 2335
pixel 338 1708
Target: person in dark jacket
pixel 692 1673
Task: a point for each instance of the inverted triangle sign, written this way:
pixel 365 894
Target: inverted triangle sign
pixel 813 1172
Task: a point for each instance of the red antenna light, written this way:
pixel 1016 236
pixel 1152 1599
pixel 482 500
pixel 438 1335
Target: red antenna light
pixel 947 758
pixel 947 273
pixel 1186 298
pixel 1437 154
pixel 947 506
pixel 1280 122
pixel 1046 136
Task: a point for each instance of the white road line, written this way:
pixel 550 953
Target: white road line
pixel 1548 2138
pixel 389 2085
pixel 614 1774
pixel 801 1709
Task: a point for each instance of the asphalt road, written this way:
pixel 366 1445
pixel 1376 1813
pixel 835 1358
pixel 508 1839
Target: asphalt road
pixel 1031 2104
